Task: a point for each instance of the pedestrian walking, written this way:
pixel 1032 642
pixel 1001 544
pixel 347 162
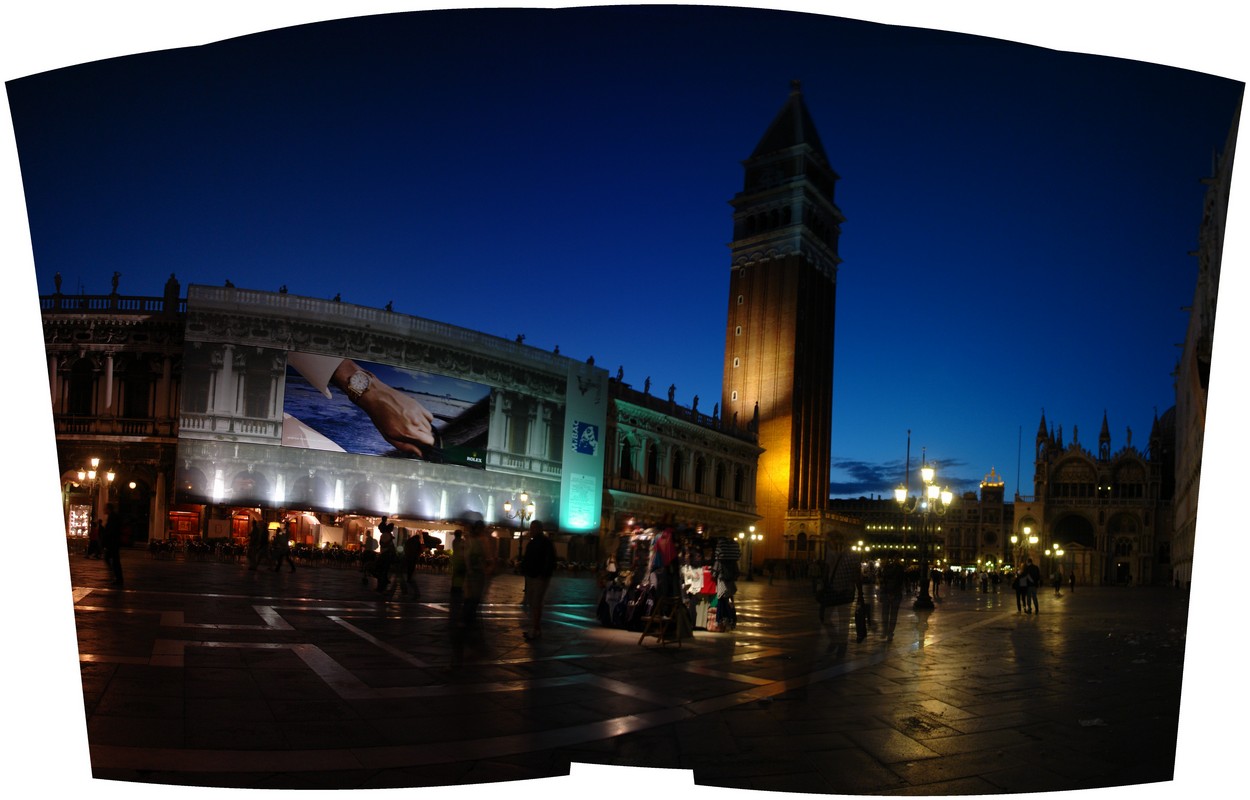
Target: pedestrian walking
pixel 725 555
pixel 256 541
pixel 1057 581
pixel 479 565
pixel 111 544
pixel 1072 581
pixel 282 547
pixel 94 548
pixel 1019 582
pixel 413 547
pixel 456 566
pixel 386 556
pixel 368 554
pixel 1035 580
pixel 538 564
pixel 893 582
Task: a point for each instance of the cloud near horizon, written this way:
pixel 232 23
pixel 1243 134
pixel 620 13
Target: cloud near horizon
pixel 878 478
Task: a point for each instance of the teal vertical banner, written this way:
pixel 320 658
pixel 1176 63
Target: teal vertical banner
pixel 585 428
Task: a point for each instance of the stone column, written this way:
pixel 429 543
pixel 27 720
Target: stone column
pixel 108 381
pixel 159 511
pixel 53 384
pixel 164 392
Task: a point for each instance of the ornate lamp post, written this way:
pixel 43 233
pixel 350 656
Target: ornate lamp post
pixel 752 538
pixel 91 479
pixel 522 512
pixel 1020 545
pixel 1054 556
pixel 932 500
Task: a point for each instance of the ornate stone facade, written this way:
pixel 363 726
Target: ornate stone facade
pixel 128 374
pixel 975 528
pixel 114 365
pixel 665 462
pixel 1111 513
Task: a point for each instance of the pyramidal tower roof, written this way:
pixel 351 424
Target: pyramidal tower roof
pixel 791 127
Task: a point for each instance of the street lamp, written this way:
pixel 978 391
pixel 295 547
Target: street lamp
pixel 752 539
pixel 523 512
pixel 1053 558
pixel 932 500
pixel 1020 545
pixel 91 479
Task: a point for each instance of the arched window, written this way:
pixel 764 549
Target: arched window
pixel 257 387
pixel 627 460
pixel 518 426
pixel 197 381
pixel 653 463
pixel 81 384
pixel 679 467
pixel 700 467
pixel 739 480
pixel 719 486
pixel 137 391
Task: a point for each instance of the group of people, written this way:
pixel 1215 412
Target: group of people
pixel 473 564
pixel 843 586
pixel 1028 579
pixel 260 550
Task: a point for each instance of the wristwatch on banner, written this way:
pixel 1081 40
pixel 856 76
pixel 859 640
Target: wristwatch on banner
pixel 358 384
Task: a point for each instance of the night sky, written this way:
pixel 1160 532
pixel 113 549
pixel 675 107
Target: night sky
pixel 1018 218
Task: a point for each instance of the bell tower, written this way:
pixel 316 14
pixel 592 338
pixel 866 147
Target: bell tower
pixel 779 336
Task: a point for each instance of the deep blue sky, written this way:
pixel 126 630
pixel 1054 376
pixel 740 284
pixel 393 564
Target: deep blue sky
pixel 628 217
pixel 1017 218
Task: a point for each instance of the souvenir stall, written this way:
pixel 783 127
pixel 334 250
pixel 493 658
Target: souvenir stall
pixel 651 564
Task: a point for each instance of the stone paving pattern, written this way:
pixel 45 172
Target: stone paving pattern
pixel 202 673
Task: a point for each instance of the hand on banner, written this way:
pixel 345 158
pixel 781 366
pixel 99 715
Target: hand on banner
pixel 402 421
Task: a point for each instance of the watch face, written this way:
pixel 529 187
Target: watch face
pixel 357 383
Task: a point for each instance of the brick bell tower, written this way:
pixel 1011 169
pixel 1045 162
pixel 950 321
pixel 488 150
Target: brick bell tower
pixel 779 336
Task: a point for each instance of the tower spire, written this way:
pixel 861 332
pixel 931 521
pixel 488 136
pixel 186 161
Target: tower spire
pixel 1104 439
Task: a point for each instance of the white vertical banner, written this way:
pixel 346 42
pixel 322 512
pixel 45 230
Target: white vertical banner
pixel 585 425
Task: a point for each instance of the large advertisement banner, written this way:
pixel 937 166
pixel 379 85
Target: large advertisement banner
pixel 302 403
pixel 399 413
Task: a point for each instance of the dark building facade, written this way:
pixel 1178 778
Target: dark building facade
pixel 114 365
pixel 1193 371
pixel 969 536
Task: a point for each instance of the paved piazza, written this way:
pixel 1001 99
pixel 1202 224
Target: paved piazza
pixel 203 673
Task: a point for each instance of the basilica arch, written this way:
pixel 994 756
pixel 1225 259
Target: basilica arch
pixel 1076 534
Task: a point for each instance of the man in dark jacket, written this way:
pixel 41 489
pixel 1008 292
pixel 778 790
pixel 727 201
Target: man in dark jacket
pixel 1035 580
pixel 537 565
pixel 111 541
